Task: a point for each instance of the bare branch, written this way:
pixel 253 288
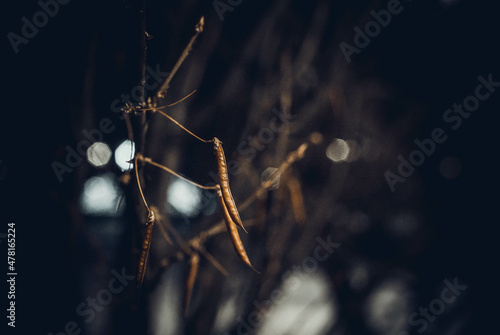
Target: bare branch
pixel 164 87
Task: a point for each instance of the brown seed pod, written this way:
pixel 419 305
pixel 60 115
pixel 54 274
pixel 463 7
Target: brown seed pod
pixel 224 183
pixel 193 271
pixel 146 244
pixel 233 232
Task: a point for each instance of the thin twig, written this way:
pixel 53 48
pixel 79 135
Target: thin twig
pixel 184 128
pixel 178 238
pixel 139 182
pixel 212 260
pixel 152 107
pixel 149 161
pixel 217 229
pixel 143 53
pixel 165 235
pixel 175 103
pixel 126 176
pixel 163 89
pixel 130 133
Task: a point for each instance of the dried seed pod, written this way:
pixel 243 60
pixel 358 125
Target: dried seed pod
pixel 233 232
pixel 193 271
pixel 224 183
pixel 146 244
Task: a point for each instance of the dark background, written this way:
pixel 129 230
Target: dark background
pixel 394 91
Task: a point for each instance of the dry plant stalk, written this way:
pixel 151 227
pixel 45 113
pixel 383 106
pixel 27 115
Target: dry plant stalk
pixel 226 200
pixel 194 263
pixel 180 125
pixel 224 183
pixel 140 110
pixel 165 235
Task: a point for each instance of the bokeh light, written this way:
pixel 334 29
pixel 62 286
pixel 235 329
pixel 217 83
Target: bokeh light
pixel 184 198
pixel 338 150
pixel 124 153
pixel 305 306
pixel 388 307
pixel 99 154
pixel 100 196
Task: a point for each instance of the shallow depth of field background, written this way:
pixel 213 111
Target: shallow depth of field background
pixel 265 58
